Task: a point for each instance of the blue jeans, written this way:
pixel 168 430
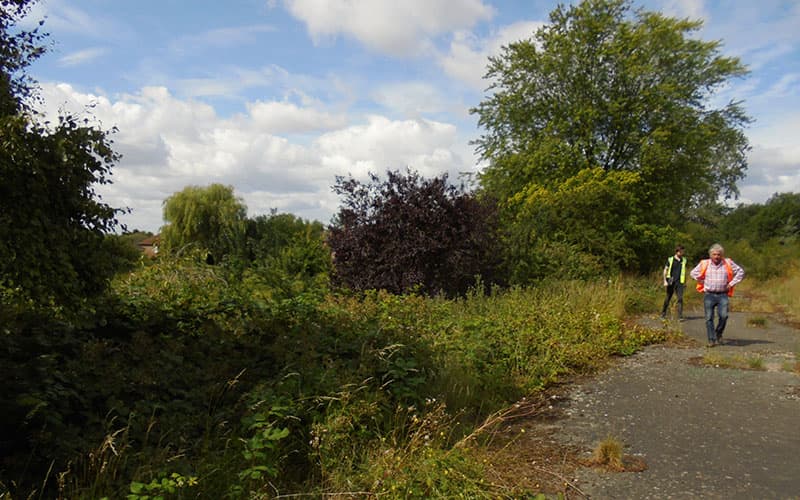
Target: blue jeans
pixel 720 302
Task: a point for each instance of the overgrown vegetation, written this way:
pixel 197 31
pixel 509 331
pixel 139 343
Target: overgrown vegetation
pixel 271 355
pixel 186 372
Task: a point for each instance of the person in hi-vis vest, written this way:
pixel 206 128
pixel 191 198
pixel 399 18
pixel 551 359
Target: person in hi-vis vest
pixel 675 281
pixel 716 278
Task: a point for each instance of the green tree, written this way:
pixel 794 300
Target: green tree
pixel 210 218
pixel 778 218
pixel 18 49
pixel 268 235
pixel 604 87
pixel 287 253
pixel 52 222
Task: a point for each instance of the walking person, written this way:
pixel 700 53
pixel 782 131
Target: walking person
pixel 716 277
pixel 675 281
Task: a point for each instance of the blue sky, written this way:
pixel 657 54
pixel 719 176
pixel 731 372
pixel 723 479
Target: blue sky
pixel 277 97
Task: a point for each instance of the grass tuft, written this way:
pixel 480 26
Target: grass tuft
pixel 609 454
pixel 757 321
pixel 754 362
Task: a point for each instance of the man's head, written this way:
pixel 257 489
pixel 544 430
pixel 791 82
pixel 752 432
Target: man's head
pixel 716 252
pixel 679 250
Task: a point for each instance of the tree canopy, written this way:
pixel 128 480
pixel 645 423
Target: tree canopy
pixel 410 233
pixel 609 90
pixel 210 217
pixel 18 49
pixel 52 220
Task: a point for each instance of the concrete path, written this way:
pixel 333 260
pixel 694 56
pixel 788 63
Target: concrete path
pixel 703 431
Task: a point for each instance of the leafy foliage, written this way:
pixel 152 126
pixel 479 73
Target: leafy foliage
pixel 286 254
pixel 600 89
pixel 186 374
pixel 18 49
pixel 410 233
pixel 585 227
pixel 777 218
pixel 210 218
pixel 760 237
pixel 52 221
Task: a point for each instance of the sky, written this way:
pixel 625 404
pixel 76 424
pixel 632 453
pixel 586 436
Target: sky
pixel 278 97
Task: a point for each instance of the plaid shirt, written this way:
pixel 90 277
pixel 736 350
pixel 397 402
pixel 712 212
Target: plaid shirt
pixel 717 275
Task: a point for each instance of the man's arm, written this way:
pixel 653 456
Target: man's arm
pixel 738 274
pixel 695 273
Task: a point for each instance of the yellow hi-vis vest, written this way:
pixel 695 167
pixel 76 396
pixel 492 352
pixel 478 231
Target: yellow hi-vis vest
pixel 683 268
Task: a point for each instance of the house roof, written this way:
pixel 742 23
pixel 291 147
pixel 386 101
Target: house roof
pixel 150 241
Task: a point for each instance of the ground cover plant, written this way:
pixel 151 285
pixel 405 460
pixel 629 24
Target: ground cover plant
pixel 257 358
pixel 184 374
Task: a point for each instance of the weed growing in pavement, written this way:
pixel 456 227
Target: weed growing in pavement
pixel 756 363
pixel 757 321
pixel 753 362
pixel 609 454
pixel 791 366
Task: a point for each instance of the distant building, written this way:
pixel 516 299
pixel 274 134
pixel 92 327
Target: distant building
pixel 149 245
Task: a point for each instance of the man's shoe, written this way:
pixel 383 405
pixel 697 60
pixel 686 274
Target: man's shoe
pixel 711 344
pixel 720 341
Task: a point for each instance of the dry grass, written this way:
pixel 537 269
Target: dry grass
pixel 750 362
pixel 520 449
pixel 776 295
pixel 609 454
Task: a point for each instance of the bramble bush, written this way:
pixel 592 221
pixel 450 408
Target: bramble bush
pixel 184 370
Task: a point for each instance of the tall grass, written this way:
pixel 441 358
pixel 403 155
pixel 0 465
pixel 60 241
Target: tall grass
pixel 784 291
pixel 481 353
pixel 251 395
pixel 776 293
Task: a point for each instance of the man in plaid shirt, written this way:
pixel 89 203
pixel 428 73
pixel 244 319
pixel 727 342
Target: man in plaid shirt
pixel 716 278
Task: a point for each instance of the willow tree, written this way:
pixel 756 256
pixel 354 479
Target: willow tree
pixel 210 218
pixel 612 96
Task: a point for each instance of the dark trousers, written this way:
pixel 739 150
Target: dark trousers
pixel 676 289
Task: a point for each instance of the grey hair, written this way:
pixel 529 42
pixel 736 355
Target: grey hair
pixel 716 247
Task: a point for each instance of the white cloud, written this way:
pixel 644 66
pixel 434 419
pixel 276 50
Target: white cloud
pixel 285 117
pixel 410 99
pixel 787 86
pixel 382 144
pixel 62 17
pixel 693 9
pixel 468 56
pixel 221 38
pixel 394 27
pixel 82 57
pixel 169 143
pixel 774 160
